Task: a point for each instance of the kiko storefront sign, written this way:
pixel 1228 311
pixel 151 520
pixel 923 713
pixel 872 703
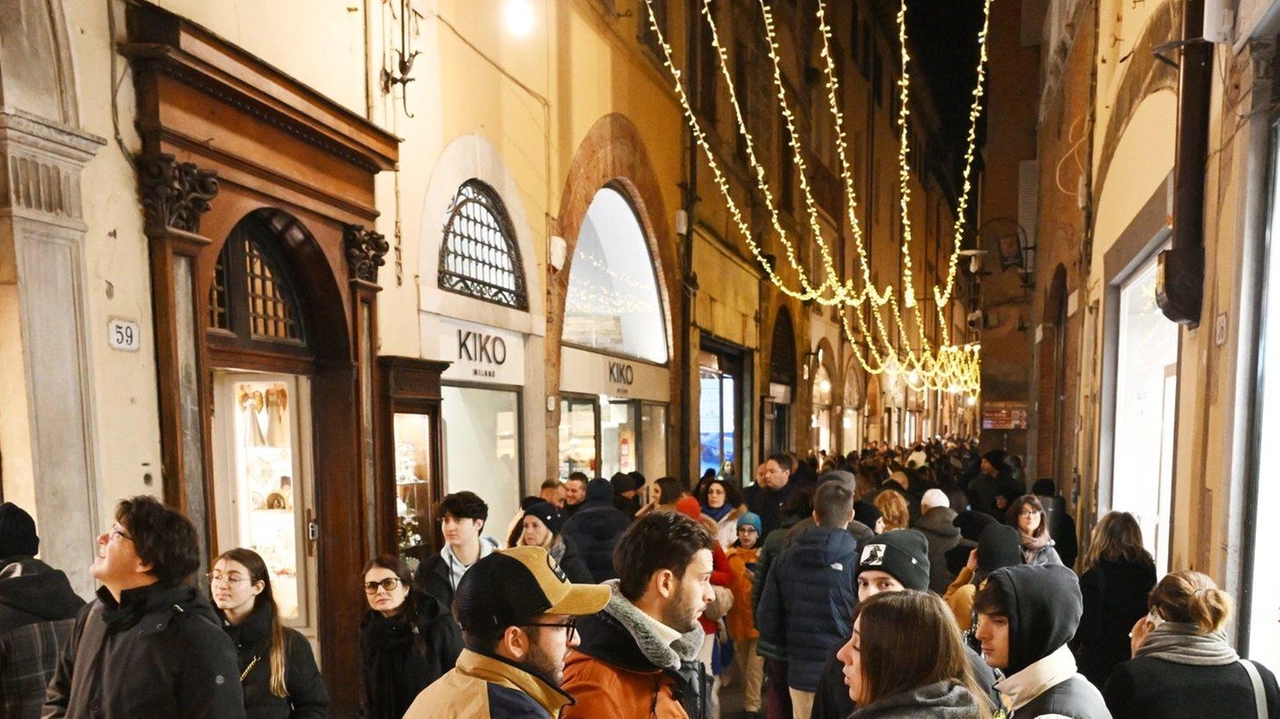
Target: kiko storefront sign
pixel 481 354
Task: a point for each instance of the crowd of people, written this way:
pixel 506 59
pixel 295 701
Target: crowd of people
pixel 891 583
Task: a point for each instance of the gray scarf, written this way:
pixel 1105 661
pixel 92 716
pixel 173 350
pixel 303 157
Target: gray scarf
pixel 1183 644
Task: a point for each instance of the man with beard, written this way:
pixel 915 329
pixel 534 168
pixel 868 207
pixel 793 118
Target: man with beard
pixel 517 611
pixel 639 656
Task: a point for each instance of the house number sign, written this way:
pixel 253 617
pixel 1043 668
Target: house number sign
pixel 123 335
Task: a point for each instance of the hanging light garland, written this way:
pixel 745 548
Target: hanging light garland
pixel 949 368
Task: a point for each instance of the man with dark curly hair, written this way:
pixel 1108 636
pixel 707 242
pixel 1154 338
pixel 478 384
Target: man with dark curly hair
pixel 639 656
pixel 150 645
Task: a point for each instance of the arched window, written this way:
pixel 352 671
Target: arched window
pixel 782 361
pixel 613 303
pixel 253 296
pixel 478 253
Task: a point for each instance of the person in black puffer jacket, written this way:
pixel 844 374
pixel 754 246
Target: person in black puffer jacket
pixel 277 669
pixel 407 640
pixel 807 607
pixel 595 529
pixel 1120 574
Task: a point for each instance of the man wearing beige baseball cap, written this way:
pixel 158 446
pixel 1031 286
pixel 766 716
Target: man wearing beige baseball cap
pixel 517 611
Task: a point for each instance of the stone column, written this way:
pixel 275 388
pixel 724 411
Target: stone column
pixel 47 445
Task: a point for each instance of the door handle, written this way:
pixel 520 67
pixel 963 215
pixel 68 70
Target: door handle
pixel 313 533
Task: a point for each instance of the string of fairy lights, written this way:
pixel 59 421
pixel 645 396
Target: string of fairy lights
pixel 948 367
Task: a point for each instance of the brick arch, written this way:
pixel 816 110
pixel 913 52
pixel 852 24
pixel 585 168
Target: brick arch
pixel 1144 77
pixel 613 154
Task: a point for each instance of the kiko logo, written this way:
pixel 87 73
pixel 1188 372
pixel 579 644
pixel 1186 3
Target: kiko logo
pixel 477 347
pixel 621 373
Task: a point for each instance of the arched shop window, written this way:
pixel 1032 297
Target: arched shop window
pixel 613 303
pixel 478 253
pixel 820 422
pixel 252 296
pixel 782 379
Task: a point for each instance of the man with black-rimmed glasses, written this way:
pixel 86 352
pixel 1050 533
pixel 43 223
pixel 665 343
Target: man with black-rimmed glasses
pixel 518 612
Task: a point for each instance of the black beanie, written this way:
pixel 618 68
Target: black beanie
pixel 867 513
pixel 547 513
pixel 971 523
pixel 999 546
pixel 902 553
pixel 17 532
pixel 996 458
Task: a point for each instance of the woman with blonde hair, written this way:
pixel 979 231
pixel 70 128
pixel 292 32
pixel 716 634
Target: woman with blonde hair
pixel 277 669
pixel 906 659
pixel 893 509
pixel 1182 666
pixel 1119 574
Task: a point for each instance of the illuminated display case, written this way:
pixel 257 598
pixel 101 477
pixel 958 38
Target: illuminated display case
pixel 410 454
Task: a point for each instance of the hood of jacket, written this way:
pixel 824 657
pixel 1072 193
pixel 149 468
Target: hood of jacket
pixel 815 546
pixel 1044 605
pixel 456 567
pixel 938 522
pixel 600 490
pixel 30 586
pixel 946 699
pixel 605 635
pixel 163 602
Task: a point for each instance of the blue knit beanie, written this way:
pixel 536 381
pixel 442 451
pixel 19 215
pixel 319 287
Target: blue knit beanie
pixel 752 519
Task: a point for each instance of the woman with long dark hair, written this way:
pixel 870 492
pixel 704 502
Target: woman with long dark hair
pixel 906 659
pixel 1183 667
pixel 1027 515
pixel 1119 574
pixel 407 640
pixel 277 669
pixel 721 501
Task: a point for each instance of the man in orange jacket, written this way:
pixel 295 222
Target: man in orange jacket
pixel 638 658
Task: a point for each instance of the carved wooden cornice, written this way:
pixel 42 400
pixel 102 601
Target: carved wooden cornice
pixel 174 194
pixel 365 250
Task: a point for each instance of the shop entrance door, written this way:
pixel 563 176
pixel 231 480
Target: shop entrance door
pixel 264 489
pixel 716 425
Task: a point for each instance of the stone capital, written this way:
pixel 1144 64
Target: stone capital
pixel 174 194
pixel 366 250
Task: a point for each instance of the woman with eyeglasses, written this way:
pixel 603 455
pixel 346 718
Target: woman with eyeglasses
pixel 1027 515
pixel 277 669
pixel 407 640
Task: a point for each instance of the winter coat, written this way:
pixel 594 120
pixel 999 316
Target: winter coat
pixel 565 552
pixel 727 526
pixel 1115 596
pixel 807 605
pixel 741 621
pixel 959 597
pixel 401 655
pixel 721 576
pixel 483 686
pixel 439 574
pixel 1051 686
pixel 158 653
pixel 1151 688
pixel 772 546
pixel 307 696
pixel 832 698
pixel 1062 527
pixel 622 669
pixel 768 503
pixel 595 529
pixel 1044 554
pixel 943 536
pixel 37 613
pixel 940 700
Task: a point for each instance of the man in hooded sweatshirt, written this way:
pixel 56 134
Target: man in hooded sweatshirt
pixel 936 524
pixel 596 528
pixel 150 645
pixel 1026 616
pixel 895 561
pixel 638 657
pixel 462 519
pixel 807 606
pixel 37 613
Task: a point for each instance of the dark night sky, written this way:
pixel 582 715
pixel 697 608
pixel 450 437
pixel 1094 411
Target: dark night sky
pixel 943 39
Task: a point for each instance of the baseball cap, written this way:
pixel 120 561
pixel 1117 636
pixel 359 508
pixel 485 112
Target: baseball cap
pixel 513 585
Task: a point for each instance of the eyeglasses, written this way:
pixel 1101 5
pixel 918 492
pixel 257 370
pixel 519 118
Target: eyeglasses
pixel 220 578
pixel 388 585
pixel 570 626
pixel 117 531
pixel 1028 513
